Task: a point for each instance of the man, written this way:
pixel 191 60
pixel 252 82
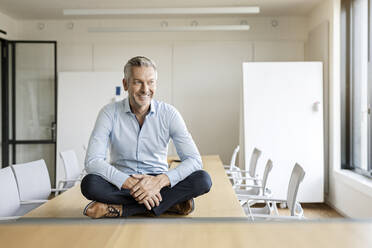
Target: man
pixel 138 130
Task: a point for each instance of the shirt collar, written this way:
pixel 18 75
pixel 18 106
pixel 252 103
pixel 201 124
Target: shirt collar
pixel 152 106
pixel 128 110
pixel 126 105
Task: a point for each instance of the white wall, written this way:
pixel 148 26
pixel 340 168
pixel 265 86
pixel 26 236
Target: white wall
pixel 349 193
pixel 206 95
pixel 9 25
pixel 83 94
pixel 289 28
pixel 268 51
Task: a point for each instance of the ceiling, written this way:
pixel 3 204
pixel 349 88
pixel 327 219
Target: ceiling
pixel 53 9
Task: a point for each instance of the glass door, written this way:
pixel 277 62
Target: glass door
pixel 1 97
pixel 369 108
pixel 32 103
pixel 4 102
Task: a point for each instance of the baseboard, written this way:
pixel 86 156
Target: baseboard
pixel 336 209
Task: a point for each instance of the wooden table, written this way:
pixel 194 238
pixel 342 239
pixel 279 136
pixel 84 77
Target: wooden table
pixel 166 232
pixel 221 201
pixel 217 222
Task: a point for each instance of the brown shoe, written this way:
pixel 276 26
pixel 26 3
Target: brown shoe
pixel 183 208
pixel 97 210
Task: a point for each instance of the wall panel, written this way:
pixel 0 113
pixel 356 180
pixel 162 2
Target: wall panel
pixel 74 57
pixel 113 57
pixel 279 51
pixel 207 86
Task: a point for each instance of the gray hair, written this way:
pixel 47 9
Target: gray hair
pixel 138 61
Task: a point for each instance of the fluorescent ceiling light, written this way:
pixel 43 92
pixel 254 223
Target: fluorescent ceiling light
pixel 164 11
pixel 171 29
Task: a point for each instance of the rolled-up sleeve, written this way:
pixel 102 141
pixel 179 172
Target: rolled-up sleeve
pixel 186 149
pixel 95 160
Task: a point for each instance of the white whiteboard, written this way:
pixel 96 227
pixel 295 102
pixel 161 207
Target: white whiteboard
pixel 280 118
pixel 316 49
pixel 80 97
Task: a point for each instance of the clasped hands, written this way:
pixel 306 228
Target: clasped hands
pixel 145 189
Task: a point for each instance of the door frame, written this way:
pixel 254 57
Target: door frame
pixel 9 47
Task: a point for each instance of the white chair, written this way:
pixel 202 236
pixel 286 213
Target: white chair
pixel 9 195
pixel 270 210
pixel 73 172
pixel 238 176
pixel 233 159
pixel 33 181
pixel 11 207
pixel 261 190
pixel 84 148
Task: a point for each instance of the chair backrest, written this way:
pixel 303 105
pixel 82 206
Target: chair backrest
pixel 32 180
pixel 8 193
pixel 268 168
pixel 233 157
pixel 236 175
pixel 253 162
pixel 297 176
pixel 71 164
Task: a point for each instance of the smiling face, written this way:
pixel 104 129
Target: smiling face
pixel 141 87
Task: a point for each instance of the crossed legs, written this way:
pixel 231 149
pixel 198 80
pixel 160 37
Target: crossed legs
pixel 96 188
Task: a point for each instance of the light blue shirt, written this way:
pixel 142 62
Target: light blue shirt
pixel 135 150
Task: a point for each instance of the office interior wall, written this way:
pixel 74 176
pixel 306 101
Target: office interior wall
pixel 350 195
pixel 80 50
pixel 278 51
pixel 82 95
pixel 9 25
pixel 316 49
pixel 261 29
pixel 114 57
pixel 209 97
pixel 268 51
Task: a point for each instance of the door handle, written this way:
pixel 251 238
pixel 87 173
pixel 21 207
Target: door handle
pixel 53 130
pixel 367 111
pixel 316 106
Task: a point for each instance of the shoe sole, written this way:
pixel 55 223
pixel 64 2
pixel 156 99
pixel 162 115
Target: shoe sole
pixel 178 212
pixel 87 206
pixel 193 205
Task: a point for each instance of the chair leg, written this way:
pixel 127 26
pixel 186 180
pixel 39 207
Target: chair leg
pixel 59 186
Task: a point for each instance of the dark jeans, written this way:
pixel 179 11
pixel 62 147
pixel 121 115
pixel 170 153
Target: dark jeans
pixel 96 188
